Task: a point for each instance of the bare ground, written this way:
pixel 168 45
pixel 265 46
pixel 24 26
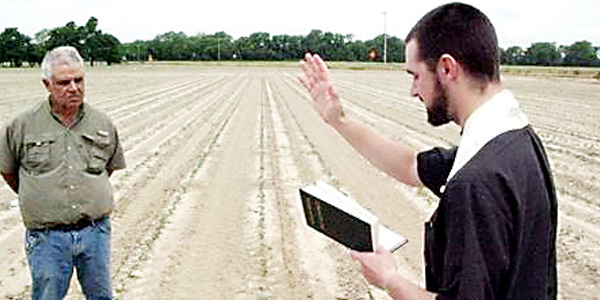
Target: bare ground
pixel 208 206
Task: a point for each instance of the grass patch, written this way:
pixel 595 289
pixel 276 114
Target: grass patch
pixel 552 72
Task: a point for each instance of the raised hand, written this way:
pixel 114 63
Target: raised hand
pixel 315 78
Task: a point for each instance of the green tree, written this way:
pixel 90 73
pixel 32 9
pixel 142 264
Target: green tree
pixel 219 46
pixel 171 46
pixel 135 51
pixel 110 49
pixel 17 48
pixel 41 38
pixel 396 49
pixel 92 44
pixel 11 46
pixel 68 35
pixel 294 50
pixel 91 49
pixel 356 51
pixel 543 54
pixel 580 54
pixel 513 56
pixel 242 48
pixel 312 42
pixel 331 46
pixel 261 46
pixel 284 47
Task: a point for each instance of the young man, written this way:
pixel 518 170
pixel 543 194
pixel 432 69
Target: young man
pixel 57 156
pixel 493 234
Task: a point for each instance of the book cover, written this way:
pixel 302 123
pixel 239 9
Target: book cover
pixel 339 217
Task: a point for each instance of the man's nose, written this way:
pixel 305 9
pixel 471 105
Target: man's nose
pixel 72 85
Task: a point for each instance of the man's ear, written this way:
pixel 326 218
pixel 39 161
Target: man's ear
pixel 46 84
pixel 447 68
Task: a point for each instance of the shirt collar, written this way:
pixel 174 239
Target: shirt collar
pixel 496 116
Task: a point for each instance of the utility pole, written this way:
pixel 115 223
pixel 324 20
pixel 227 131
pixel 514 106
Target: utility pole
pixel 384 37
pixel 219 48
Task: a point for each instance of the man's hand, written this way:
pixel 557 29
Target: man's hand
pixel 379 267
pixel 315 78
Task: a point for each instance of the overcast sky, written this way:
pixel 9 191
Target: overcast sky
pixel 517 22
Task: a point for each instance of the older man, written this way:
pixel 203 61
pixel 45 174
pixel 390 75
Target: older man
pixel 493 235
pixel 57 156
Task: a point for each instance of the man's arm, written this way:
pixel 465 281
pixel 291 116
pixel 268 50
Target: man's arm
pixel 391 157
pixel 379 268
pixel 12 180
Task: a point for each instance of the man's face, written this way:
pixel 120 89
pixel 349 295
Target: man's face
pixel 66 86
pixel 427 87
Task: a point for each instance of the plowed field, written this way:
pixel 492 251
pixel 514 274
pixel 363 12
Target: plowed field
pixel 208 206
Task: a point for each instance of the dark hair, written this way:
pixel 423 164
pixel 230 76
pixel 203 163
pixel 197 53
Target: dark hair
pixel 465 33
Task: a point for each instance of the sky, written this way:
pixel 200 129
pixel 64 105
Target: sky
pixel 517 22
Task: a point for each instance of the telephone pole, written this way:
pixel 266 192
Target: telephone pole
pixel 384 37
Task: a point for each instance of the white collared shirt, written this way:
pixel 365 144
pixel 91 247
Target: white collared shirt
pixel 496 116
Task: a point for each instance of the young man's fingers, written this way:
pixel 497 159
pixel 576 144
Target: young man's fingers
pixel 303 65
pixel 307 56
pixel 312 62
pixel 321 67
pixel 307 67
pixel 303 80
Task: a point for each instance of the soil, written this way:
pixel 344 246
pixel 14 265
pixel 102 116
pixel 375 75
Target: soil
pixel 208 206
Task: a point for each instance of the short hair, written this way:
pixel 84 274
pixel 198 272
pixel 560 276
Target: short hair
pixel 465 33
pixel 59 55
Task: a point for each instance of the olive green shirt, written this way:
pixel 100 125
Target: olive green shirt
pixel 63 172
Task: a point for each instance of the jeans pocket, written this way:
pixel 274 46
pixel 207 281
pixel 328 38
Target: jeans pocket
pixel 103 226
pixel 32 239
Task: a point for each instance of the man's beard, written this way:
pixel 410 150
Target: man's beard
pixel 439 112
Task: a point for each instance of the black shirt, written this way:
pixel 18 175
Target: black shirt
pixel 493 235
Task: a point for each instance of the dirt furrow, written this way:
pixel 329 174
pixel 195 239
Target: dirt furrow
pixel 201 225
pixel 147 155
pixel 161 112
pixel 142 220
pixel 279 179
pixel 144 142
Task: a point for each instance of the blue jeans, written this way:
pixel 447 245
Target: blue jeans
pixel 52 255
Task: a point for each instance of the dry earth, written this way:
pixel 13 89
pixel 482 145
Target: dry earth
pixel 208 206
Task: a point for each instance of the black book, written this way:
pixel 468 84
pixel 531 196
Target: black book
pixel 339 217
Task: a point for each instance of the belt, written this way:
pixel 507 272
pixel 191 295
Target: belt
pixel 81 224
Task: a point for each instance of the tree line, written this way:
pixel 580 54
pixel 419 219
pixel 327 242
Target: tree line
pixel 17 49
pixel 94 45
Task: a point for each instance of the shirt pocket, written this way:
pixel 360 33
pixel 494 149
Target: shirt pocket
pixel 96 147
pixel 38 153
